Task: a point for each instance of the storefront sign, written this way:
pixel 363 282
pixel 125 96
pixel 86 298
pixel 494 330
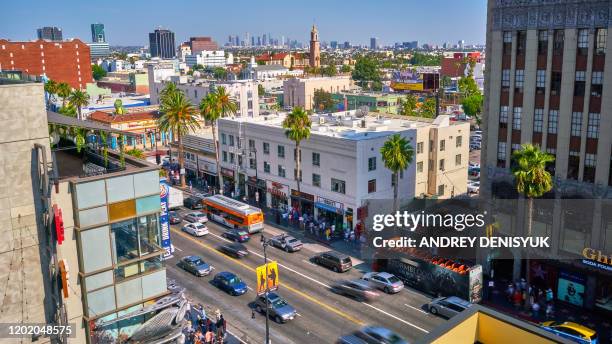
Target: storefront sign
pixel 303 195
pixel 227 172
pixel 329 205
pixel 278 189
pixel 570 288
pixel 206 165
pixel 166 243
pixel 598 258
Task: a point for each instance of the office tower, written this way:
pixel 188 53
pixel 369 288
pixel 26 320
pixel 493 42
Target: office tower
pixel 264 40
pixel 50 33
pixel 97 33
pixel 199 44
pixel 252 41
pixel 347 45
pixel 461 44
pixel 373 43
pixel 333 44
pixel 237 40
pixel 161 44
pixel 247 38
pixel 230 39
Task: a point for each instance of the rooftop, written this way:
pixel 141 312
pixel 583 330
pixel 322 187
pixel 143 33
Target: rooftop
pixel 71 164
pixel 109 117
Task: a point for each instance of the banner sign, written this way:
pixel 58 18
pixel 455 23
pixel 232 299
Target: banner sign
pixel 164 222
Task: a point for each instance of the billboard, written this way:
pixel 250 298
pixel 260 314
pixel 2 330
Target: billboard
pixel 415 80
pixel 570 288
pixel 164 222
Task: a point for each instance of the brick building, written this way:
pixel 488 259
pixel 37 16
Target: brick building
pixel 66 61
pixel 199 44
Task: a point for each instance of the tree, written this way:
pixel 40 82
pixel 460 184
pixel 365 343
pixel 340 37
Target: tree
pixel 261 91
pixel 329 70
pixel 420 59
pixel 51 89
pixel 179 117
pixel 78 99
pixel 366 71
pixel 428 108
pixel 446 81
pixel 408 106
pixel 136 153
pixel 397 155
pixel 68 110
pixel 63 91
pixel 197 67
pixel 98 72
pixel 323 101
pixel 169 89
pixel 297 126
pixel 532 179
pixel 472 106
pixel 467 85
pixel 345 69
pixel 220 73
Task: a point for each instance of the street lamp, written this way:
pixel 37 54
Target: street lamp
pixel 265 242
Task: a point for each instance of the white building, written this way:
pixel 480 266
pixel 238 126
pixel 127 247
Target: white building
pixel 207 59
pixel 264 72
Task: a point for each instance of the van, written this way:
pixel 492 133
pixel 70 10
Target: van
pixel 338 262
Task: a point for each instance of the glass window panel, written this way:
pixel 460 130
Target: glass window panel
pixel 99 280
pixel 124 241
pixel 122 210
pixel 129 292
pixel 95 248
pixel 146 183
pixel 154 284
pixel 148 231
pixel 148 204
pixel 92 217
pixel 100 301
pixel 90 194
pixel 120 188
pixel 151 264
pixel 126 271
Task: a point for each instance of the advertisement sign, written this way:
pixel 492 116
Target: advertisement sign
pixel 267 277
pixel 164 222
pixel 570 288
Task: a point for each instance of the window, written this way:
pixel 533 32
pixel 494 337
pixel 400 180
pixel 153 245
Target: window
pixel 420 166
pixel 593 126
pixel 224 156
pixel 232 158
pixel 559 37
pixel 251 144
pixel 590 160
pixel 252 164
pixel 519 79
pixel 503 115
pixel 516 118
pixel 589 168
pixel 372 164
pixel 458 141
pixel 266 167
pixel 442 145
pixel 542 42
pixel 441 164
pixel 553 118
pixel 457 159
pixel 583 42
pixel 521 39
pixel 281 151
pixel 538 120
pixel 338 186
pixel 576 124
pixel 573 165
pixel 555 83
pixel 231 140
pixel 281 171
pixel 579 83
pixel 507 42
pixel 223 139
pixel 371 185
pixel 506 78
pixel 240 160
pixel 601 36
pixel 316 180
pixel 419 147
pixel 266 148
pixel 507 37
pixel 440 190
pixel 501 150
pixel 514 147
pixel 540 81
pixel 596 84
pixel 316 159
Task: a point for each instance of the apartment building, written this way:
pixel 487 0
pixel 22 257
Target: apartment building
pixel 300 91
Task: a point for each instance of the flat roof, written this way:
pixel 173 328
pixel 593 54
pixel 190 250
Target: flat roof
pixel 70 164
pixel 56 118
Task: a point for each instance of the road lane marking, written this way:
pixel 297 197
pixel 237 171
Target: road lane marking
pixel 309 262
pixel 416 309
pixel 178 249
pixel 396 318
pixel 236 337
pixel 295 291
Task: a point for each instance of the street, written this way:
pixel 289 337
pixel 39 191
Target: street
pixel 322 315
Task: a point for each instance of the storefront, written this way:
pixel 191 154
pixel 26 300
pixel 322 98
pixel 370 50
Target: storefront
pixel 229 182
pixel 256 190
pixel 207 171
pixel 278 195
pixel 306 200
pixel 330 211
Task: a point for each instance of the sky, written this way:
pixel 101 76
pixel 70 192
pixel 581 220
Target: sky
pixel 129 22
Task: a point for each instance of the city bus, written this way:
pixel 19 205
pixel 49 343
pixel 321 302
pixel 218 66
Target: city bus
pixel 233 214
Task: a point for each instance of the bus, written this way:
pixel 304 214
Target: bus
pixel 233 214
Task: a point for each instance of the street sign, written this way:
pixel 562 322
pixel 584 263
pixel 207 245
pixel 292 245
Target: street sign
pixel 267 277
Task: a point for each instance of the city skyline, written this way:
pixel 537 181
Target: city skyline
pixel 339 23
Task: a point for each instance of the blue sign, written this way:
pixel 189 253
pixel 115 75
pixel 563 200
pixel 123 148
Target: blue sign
pixel 164 222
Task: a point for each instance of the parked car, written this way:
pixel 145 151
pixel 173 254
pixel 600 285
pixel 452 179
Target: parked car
pixel 229 283
pixel 237 235
pixel 338 262
pixel 193 203
pixel 473 186
pixel 234 249
pixel 572 331
pixel 474 171
pixel 359 289
pixel 372 335
pixel 195 229
pixel 448 306
pixel 384 281
pixel 279 309
pixel 477 132
pixel 195 265
pixel 174 218
pixel 196 216
pixel 286 242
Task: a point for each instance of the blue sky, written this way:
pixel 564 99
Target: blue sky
pixel 128 22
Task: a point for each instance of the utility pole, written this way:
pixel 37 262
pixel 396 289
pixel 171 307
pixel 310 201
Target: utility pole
pixel 265 242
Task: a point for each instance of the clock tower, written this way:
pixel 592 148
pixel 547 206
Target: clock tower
pixel 315 48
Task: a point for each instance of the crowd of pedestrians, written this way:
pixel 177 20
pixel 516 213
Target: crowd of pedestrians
pixel 204 330
pixel 531 299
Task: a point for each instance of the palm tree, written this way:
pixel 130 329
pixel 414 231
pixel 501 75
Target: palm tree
pixel 297 125
pixel 51 89
pixel 532 178
pixel 178 116
pixel 397 154
pixel 78 99
pixel 169 88
pixel 63 90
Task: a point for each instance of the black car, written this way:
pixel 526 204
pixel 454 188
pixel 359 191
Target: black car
pixel 234 249
pixel 193 203
pixel 174 218
pixel 238 235
pixel 338 262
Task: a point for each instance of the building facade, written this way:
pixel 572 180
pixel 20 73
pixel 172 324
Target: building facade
pixel 199 44
pixel 315 48
pixel 99 50
pixel 377 102
pixel 206 58
pixel 66 61
pixel 300 92
pixel 161 44
pixel 97 33
pixel 50 33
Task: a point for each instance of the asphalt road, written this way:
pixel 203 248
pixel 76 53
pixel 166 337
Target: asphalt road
pixel 322 315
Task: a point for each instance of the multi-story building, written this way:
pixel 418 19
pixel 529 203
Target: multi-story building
pixel 263 72
pixel 377 102
pixel 373 43
pixel 97 33
pixel 287 60
pixel 199 44
pixel 341 163
pixel 300 92
pixel 65 61
pixel 161 44
pixel 206 58
pixel 548 82
pixel 50 33
pixel 126 81
pixel 99 51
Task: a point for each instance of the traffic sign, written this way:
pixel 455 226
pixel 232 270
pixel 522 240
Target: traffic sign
pixel 267 277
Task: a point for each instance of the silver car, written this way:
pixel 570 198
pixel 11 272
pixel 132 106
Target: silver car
pixel 384 281
pixel 448 306
pixel 196 216
pixel 279 309
pixel 286 242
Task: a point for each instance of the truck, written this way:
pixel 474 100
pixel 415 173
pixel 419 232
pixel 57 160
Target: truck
pixel 175 198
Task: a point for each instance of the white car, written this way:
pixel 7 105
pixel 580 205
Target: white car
pixel 477 132
pixel 195 229
pixel 473 187
pixel 196 216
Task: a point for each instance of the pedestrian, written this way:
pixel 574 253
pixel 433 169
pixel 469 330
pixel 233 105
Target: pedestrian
pixel 190 186
pixel 549 311
pixel 523 284
pixel 517 299
pixel 536 309
pixel 510 292
pixel 311 226
pixel 209 337
pixel 328 233
pixel 252 313
pixel 352 236
pixel 220 328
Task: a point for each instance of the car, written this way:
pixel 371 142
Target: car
pixel 234 249
pixel 384 281
pixel 570 330
pixel 473 187
pixel 338 262
pixel 229 283
pixel 474 171
pixel 196 216
pixel 358 289
pixel 372 335
pixel 474 164
pixel 279 309
pixel 174 218
pixel 237 235
pixel 195 229
pixel 286 242
pixel 195 265
pixel 448 306
pixel 477 132
pixel 193 203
